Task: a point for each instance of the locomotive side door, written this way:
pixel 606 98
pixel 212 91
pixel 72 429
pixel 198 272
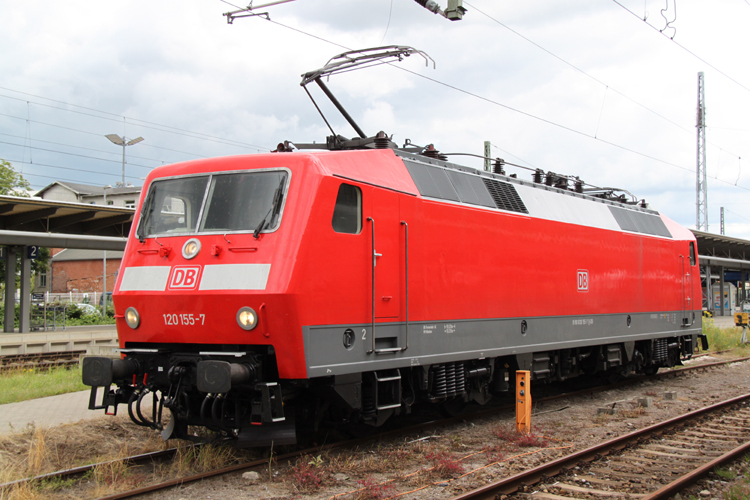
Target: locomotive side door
pixel 687 264
pixel 386 261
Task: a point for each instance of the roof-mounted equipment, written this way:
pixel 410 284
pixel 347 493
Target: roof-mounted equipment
pixel 349 61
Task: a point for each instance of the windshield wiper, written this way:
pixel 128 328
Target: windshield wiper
pixel 150 204
pixel 274 210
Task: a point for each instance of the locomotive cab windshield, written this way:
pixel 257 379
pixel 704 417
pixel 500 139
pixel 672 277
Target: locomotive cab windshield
pixel 217 203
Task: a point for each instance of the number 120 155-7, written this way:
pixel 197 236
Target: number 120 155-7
pixel 184 319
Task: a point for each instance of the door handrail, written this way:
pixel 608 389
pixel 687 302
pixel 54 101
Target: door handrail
pixel 372 225
pixel 684 298
pixel 406 276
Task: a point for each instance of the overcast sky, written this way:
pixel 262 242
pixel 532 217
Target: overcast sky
pixel 582 87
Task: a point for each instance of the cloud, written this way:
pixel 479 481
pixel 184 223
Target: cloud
pixel 160 69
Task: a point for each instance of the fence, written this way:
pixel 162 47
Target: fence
pixel 47 317
pixel 92 298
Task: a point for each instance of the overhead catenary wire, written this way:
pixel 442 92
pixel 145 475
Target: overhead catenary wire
pixel 583 72
pixel 27 141
pixel 134 121
pixel 72 154
pixel 99 135
pixel 514 156
pixel 110 174
pixel 524 167
pixel 683 47
pixel 327 41
pixel 735 213
pixel 510 108
pixel 390 13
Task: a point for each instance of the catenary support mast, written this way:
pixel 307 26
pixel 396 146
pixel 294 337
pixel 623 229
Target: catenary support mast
pixel 701 186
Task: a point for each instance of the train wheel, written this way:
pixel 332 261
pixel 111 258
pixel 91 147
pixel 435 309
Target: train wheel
pixel 651 370
pixel 359 430
pixel 454 407
pixel 612 377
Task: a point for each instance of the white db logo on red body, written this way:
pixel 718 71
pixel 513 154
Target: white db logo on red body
pixel 583 280
pixel 184 277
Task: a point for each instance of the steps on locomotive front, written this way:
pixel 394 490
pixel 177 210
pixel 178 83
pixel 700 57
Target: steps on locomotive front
pixel 97 340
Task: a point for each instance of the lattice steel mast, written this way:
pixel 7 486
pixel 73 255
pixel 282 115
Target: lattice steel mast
pixel 701 186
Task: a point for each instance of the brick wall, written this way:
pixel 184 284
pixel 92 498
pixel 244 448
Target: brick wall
pixel 81 275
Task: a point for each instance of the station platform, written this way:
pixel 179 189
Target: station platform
pixel 47 412
pixel 95 339
pixel 723 321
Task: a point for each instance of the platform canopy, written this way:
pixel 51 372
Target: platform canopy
pixel 47 223
pixel 30 222
pixel 723 251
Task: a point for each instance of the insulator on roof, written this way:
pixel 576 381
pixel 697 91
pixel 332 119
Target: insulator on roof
pixel 382 140
pixel 549 178
pixel 561 182
pixel 283 147
pixel 431 152
pixel 497 167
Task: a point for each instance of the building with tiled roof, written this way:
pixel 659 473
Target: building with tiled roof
pixel 118 196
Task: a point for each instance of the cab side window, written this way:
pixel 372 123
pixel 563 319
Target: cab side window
pixel 692 253
pixel 347 214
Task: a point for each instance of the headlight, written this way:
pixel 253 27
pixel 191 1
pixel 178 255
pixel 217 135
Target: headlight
pixel 132 318
pixel 246 318
pixel 191 248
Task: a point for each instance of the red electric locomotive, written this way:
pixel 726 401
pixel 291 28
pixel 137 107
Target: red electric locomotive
pixel 348 285
pixel 359 282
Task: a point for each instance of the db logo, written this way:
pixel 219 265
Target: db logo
pixel 583 280
pixel 184 277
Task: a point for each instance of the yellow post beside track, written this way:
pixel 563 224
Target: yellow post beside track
pixel 523 401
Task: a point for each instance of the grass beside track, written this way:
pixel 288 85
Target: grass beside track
pixel 25 384
pixel 720 339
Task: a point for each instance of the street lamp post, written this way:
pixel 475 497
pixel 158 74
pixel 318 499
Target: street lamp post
pixel 122 141
pixel 104 260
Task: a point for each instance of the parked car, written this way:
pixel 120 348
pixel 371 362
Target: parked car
pixel 87 308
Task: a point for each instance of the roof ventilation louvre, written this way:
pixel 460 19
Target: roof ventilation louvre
pixel 505 196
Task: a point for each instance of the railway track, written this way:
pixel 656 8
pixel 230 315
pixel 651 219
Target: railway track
pixel 652 463
pixel 166 454
pixel 12 362
pixel 79 471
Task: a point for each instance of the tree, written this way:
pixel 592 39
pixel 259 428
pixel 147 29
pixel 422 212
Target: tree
pixel 13 183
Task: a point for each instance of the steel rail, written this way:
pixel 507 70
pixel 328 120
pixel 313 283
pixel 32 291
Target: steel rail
pixel 40 356
pixel 10 362
pixel 231 468
pixel 410 429
pixel 407 430
pixel 85 468
pixel 512 484
pixel 680 484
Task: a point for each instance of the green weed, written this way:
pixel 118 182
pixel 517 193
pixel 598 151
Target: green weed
pixel 737 492
pixel 725 474
pixel 721 338
pixel 25 384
